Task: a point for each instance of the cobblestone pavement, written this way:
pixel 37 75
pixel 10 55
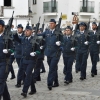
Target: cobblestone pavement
pixel 78 90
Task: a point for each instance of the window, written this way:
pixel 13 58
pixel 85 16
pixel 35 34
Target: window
pixel 7 2
pixel 87 6
pixel 34 2
pixel 53 6
pixel 85 3
pixel 50 6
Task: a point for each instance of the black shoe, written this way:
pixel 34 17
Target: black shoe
pixel 42 71
pixel 12 77
pixel 55 85
pixel 31 92
pixel 82 78
pixel 95 73
pixel 18 85
pixel 67 82
pixel 38 79
pixel 50 87
pixel 92 74
pixel 24 94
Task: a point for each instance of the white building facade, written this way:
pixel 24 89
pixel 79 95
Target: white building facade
pixel 48 9
pixel 20 8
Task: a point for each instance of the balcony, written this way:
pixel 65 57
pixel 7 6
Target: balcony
pixel 50 8
pixel 87 11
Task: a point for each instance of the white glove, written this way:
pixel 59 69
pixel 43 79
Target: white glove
pixel 5 51
pixel 72 49
pixel 58 43
pixel 32 54
pixel 12 54
pixel 86 43
pixel 41 47
pixel 98 42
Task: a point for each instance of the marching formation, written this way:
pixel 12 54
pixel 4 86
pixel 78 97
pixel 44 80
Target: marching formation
pixel 30 46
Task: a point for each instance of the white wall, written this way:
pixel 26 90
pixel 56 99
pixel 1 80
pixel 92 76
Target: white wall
pixel 66 7
pixel 21 7
pixel 1 2
pixel 37 11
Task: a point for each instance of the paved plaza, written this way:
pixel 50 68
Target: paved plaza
pixel 88 89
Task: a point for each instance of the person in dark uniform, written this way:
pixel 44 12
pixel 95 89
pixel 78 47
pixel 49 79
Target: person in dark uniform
pixel 36 74
pixel 12 58
pixel 83 49
pixel 52 51
pixel 18 46
pixel 18 49
pixel 40 59
pixel 77 64
pixel 94 48
pixel 4 56
pixel 68 54
pixel 42 69
pixel 28 60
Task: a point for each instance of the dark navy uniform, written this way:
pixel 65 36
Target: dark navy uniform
pixel 18 47
pixel 36 74
pixel 94 50
pixel 12 58
pixel 3 72
pixel 18 53
pixel 39 60
pixel 27 62
pixel 43 70
pixel 53 55
pixel 82 51
pixel 77 65
pixel 68 56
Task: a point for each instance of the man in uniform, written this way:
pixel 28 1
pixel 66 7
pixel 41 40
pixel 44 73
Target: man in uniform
pixel 28 60
pixel 18 48
pixel 68 54
pixel 52 51
pixel 83 49
pixel 94 48
pixel 12 58
pixel 4 55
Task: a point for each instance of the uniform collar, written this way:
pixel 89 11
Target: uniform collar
pixel 82 32
pixel 28 37
pixel 20 34
pixel 94 30
pixel 68 35
pixel 52 30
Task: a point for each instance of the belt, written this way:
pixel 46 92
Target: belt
pixel 19 53
pixel 28 58
pixel 70 53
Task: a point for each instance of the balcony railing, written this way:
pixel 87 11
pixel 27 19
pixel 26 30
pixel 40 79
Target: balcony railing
pixel 50 7
pixel 89 8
